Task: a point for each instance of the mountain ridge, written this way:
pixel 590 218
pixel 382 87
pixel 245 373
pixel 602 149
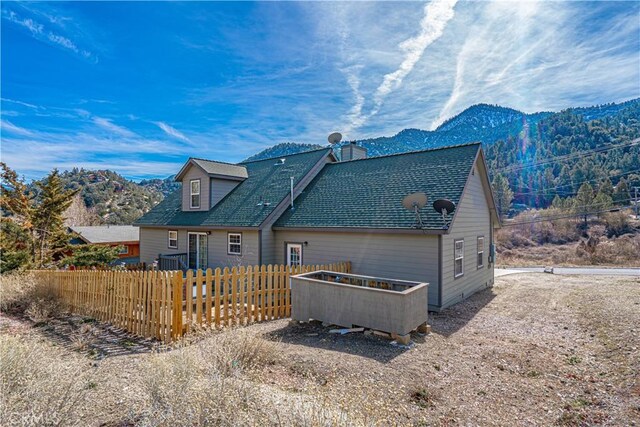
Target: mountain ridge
pixel 508 136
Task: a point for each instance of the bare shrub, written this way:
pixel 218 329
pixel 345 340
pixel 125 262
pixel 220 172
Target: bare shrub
pixel 15 289
pixel 207 383
pixel 39 384
pixel 238 350
pixel 621 251
pixel 530 230
pixel 617 224
pixel 22 294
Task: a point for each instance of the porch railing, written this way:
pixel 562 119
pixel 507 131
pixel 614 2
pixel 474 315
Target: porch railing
pixel 172 262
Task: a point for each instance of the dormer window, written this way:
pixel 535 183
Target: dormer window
pixel 194 185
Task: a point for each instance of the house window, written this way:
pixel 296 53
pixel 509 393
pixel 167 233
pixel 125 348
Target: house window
pixel 195 193
pixel 234 246
pixel 480 252
pixel 458 258
pixel 124 249
pixel 173 239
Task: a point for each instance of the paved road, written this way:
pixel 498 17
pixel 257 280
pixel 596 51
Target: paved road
pixel 572 270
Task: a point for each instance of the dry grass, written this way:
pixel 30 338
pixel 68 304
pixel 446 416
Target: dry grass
pixel 40 384
pixel 20 294
pixel 534 350
pixel 216 381
pixel 620 251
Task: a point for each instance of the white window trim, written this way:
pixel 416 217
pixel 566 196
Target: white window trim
pixel 191 194
pixel 287 254
pixel 455 258
pixel 480 252
pixel 229 252
pixel 170 239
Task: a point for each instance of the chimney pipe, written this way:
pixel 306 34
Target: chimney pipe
pixel 292 194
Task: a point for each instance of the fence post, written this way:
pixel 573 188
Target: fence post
pixel 176 328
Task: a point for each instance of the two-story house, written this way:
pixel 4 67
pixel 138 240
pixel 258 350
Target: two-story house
pixel 310 208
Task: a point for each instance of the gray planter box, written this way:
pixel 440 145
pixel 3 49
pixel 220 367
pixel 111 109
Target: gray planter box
pixel 347 300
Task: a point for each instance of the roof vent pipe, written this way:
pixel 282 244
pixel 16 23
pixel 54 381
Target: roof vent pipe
pixel 292 194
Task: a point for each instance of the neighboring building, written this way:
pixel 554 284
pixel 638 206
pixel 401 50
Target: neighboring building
pixel 127 236
pixel 242 214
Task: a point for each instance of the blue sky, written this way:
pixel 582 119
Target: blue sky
pixel 138 87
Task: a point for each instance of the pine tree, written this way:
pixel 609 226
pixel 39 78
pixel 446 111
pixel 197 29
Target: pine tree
pixel 606 187
pixel 51 237
pixel 503 195
pixel 16 225
pixel 92 256
pixel 621 193
pixel 583 203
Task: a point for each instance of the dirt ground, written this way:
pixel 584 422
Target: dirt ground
pixel 534 350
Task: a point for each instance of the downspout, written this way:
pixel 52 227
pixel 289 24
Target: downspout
pixel 292 193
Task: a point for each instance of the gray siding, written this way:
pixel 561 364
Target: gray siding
pixel 220 188
pixel 154 241
pixel 471 221
pixel 268 247
pixel 394 256
pixel 195 173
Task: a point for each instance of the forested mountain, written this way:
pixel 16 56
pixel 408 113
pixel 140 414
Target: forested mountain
pixel 284 149
pixel 164 186
pixel 542 154
pixel 115 199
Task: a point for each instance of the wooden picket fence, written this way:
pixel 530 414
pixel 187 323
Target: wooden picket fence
pixel 167 304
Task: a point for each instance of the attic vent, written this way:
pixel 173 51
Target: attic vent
pixel 280 162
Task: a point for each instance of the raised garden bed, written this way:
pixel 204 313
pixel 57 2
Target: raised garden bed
pixel 348 300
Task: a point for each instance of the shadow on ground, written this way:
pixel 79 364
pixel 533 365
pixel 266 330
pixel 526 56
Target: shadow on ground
pixel 451 320
pixel 445 323
pixel 314 335
pixel 95 339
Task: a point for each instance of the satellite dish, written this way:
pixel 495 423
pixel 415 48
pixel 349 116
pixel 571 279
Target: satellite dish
pixel 334 138
pixel 415 200
pixel 444 206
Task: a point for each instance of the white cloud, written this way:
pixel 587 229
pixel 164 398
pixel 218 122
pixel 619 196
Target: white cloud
pixel 108 125
pixel 7 126
pixel 171 131
pixel 39 32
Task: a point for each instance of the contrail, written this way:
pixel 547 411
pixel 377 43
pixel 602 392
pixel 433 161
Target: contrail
pixel 436 16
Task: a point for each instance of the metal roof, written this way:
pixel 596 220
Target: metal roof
pixel 108 233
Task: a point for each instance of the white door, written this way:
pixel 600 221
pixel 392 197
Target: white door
pixel 294 254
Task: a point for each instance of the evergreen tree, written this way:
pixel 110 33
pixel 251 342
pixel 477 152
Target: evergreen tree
pixel 92 256
pixel 15 246
pixel 601 202
pixel 51 238
pixel 621 193
pixel 503 195
pixel 583 203
pixel 606 187
pixel 16 225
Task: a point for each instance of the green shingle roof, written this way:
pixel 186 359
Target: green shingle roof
pixel 218 168
pixel 368 193
pixel 266 182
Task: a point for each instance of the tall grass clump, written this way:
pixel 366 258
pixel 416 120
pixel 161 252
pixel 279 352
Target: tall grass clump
pixel 212 382
pixel 202 383
pixel 23 294
pixel 39 384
